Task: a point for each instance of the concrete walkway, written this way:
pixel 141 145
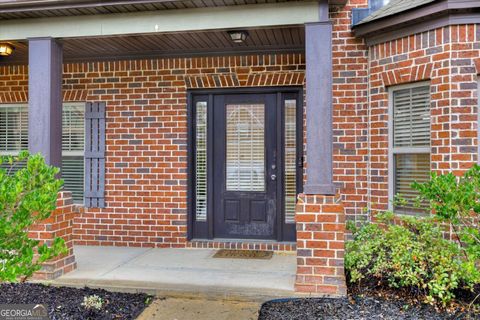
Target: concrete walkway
pixel 182 273
pixel 200 309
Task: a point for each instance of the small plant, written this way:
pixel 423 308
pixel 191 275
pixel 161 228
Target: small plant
pixel 28 195
pixel 92 302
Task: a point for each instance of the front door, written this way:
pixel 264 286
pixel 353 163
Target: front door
pixel 245 166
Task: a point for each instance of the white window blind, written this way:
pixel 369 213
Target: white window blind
pixel 14 138
pixel 411 120
pixel 246 147
pixel 73 138
pixel 290 159
pixel 411 144
pixel 13 129
pixel 201 161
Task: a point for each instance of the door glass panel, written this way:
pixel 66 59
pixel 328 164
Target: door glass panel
pixel 245 147
pixel 290 160
pixel 201 161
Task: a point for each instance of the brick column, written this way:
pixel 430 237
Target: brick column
pixel 320 245
pixel 60 224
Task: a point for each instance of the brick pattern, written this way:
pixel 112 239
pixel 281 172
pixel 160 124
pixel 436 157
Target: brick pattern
pixel 243 245
pixel 320 245
pixel 447 58
pixel 60 224
pixel 350 111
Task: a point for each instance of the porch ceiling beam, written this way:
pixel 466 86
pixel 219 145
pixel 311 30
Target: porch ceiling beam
pixel 245 16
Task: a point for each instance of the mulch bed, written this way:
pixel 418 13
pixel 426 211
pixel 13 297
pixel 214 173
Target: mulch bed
pixel 367 302
pixel 66 303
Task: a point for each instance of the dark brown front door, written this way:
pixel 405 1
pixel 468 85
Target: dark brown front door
pixel 245 166
pixel 245 163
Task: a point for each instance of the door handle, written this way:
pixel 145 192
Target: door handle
pixel 273 177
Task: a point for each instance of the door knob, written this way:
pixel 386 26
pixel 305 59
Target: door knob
pixel 273 177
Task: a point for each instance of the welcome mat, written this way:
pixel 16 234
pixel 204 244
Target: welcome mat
pixel 243 254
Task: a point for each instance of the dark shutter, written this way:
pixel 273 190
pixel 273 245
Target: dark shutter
pixel 95 155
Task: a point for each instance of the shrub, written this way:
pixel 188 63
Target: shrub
pixel 456 201
pixel 28 195
pixel 409 253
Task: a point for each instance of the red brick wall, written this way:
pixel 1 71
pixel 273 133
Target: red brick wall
pixel 146 140
pixel 350 111
pixel 320 245
pixel 59 224
pixel 146 129
pixel 447 58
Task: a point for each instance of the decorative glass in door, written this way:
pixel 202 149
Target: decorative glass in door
pixel 245 143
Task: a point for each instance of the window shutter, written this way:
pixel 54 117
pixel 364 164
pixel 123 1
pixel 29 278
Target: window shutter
pixel 95 154
pixel 411 123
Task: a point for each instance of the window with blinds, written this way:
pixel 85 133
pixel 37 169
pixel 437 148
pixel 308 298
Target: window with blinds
pixel 410 149
pixel 201 161
pixel 245 147
pixel 14 138
pixel 73 138
pixel 290 160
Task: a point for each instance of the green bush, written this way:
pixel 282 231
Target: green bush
pixel 456 201
pixel 409 253
pixel 28 195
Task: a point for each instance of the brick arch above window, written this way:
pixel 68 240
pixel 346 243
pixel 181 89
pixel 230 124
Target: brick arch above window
pixel 407 75
pixel 228 80
pixel 75 95
pixel 22 96
pixel 14 97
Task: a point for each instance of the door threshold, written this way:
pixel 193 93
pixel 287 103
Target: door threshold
pixel 241 244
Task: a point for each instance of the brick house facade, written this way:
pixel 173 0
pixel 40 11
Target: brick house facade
pixel 147 100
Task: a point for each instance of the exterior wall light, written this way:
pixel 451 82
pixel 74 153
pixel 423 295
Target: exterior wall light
pixel 238 36
pixel 6 49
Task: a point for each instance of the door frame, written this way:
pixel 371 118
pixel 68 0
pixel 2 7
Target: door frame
pixel 204 230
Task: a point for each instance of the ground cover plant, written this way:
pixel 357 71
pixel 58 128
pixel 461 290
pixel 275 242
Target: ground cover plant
pixel 28 195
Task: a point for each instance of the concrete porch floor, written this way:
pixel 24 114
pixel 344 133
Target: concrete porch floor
pixel 182 272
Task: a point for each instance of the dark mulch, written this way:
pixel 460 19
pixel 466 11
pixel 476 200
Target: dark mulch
pixel 65 303
pixel 353 308
pixel 369 302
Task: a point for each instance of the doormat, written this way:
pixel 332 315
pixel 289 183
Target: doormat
pixel 243 254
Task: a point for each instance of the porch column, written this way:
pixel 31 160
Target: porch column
pixel 45 99
pixel 318 51
pixel 319 214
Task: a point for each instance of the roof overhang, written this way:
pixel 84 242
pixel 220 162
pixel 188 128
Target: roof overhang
pixel 163 21
pixel 20 9
pixel 431 16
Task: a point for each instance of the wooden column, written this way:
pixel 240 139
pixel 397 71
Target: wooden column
pixel 318 51
pixel 45 99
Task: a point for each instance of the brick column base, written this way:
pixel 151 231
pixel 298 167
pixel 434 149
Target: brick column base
pixel 60 224
pixel 320 245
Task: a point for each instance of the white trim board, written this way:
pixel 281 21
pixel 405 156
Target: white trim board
pixel 230 17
